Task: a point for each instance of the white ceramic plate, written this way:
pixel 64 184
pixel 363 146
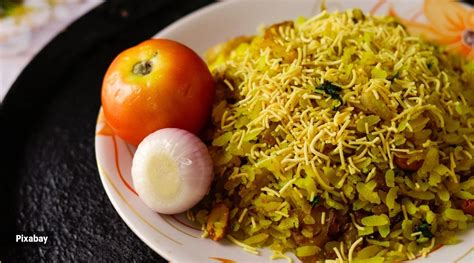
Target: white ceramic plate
pixel 173 237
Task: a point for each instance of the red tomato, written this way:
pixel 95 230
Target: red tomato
pixel 467 207
pixel 156 84
pixel 403 164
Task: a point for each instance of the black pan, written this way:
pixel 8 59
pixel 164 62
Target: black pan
pixel 49 178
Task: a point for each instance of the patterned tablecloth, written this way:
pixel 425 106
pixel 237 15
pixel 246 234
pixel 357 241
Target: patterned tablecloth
pixel 33 35
pixel 50 183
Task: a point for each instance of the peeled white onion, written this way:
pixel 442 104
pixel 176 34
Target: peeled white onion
pixel 171 170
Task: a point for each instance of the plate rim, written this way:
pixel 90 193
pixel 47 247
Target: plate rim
pixel 173 26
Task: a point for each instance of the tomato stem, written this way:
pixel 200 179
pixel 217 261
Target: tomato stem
pixel 142 68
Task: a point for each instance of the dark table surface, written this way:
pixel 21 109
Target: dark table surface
pixel 49 179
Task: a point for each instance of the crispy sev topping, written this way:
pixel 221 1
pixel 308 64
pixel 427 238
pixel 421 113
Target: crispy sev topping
pixel 343 112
